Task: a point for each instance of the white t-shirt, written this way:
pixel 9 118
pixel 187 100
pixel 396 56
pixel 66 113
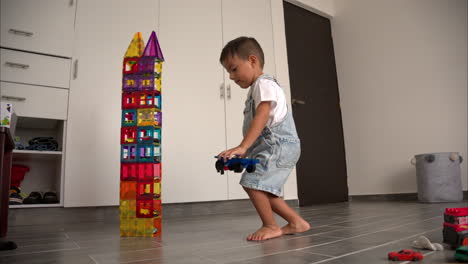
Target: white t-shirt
pixel 268 90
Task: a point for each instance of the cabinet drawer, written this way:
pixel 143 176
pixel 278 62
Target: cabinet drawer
pixel 36 101
pixel 44 26
pixel 24 67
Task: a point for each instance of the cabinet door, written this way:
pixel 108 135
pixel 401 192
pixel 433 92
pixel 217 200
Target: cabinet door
pixel 103 32
pixel 194 128
pixel 44 26
pixel 251 19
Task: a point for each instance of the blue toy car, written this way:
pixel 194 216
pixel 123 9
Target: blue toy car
pixel 236 165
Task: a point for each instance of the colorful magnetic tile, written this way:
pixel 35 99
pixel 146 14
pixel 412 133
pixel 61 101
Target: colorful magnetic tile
pixel 145 117
pixel 130 83
pixel 149 99
pixel 127 208
pixel 145 191
pixel 146 82
pixel 145 153
pixel 128 190
pixel 157 168
pixel 146 172
pixel 128 135
pixel 153 49
pixel 157 85
pixel 136 46
pixel 157 224
pixel 130 65
pixel 128 171
pixel 157 190
pixel 144 227
pixel 144 209
pixel 157 154
pixel 129 117
pixel 148 135
pixel 128 226
pixel 128 153
pixel 157 119
pixel 157 209
pixel 146 65
pixel 129 100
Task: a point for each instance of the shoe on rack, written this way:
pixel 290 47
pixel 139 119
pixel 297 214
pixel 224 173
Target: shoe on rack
pixel 50 197
pixel 15 196
pixel 33 198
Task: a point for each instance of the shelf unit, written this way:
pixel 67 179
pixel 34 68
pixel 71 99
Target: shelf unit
pixel 46 167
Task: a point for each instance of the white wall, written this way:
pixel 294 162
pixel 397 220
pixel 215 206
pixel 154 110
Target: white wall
pixel 402 72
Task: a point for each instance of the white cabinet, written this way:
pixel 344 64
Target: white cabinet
pixel 30 68
pixel 36 101
pixel 193 108
pixel 103 31
pixel 250 19
pixel 200 117
pixel 44 26
pixel 194 37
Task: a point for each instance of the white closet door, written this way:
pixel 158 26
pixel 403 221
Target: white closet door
pixel 103 32
pixel 193 110
pixel 44 26
pixel 251 19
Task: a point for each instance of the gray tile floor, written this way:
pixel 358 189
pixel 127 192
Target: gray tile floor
pixel 345 233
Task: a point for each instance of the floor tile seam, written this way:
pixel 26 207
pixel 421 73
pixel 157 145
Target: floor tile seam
pixel 370 233
pixel 37 242
pixel 41 251
pixel 373 247
pixel 93 259
pixel 334 224
pixel 357 219
pixel 404 217
pixel 392 227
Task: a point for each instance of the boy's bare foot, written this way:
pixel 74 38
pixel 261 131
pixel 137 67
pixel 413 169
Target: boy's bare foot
pixel 265 232
pixel 298 227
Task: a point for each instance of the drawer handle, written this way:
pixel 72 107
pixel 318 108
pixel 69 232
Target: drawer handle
pixel 16 65
pixel 20 32
pixel 15 98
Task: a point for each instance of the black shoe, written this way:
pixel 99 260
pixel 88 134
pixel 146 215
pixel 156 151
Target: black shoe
pixel 33 198
pixel 50 197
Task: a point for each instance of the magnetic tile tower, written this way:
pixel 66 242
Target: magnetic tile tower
pixel 140 171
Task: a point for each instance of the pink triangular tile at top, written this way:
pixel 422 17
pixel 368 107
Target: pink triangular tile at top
pixel 135 49
pixel 152 48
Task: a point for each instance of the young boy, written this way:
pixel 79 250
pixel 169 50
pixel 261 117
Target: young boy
pixel 269 135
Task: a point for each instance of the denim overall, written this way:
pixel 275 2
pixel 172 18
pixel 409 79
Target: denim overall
pixel 278 148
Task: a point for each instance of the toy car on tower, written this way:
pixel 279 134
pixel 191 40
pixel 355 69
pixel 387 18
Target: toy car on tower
pixel 236 164
pixel 405 254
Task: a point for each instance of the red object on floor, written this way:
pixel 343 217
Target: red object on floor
pixel 17 174
pixel 405 254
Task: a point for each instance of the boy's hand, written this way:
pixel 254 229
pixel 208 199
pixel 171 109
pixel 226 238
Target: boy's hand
pixel 230 153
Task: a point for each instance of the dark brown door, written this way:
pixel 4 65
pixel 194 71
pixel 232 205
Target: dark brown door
pixel 321 170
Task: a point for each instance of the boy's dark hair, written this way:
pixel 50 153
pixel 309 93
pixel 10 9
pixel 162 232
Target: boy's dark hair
pixel 242 47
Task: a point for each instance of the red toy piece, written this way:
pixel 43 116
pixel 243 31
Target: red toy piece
pixel 405 254
pixel 457 216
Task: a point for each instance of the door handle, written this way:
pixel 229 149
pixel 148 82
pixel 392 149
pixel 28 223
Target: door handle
pixel 16 65
pixel 15 98
pixel 295 101
pixel 229 91
pixel 20 32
